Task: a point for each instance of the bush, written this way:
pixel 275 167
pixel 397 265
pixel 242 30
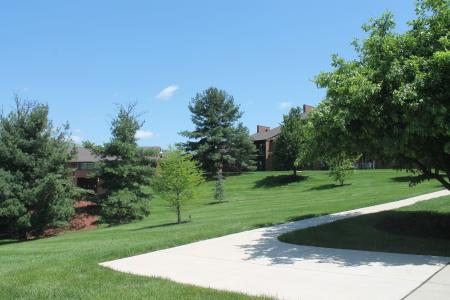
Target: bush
pixel 341 168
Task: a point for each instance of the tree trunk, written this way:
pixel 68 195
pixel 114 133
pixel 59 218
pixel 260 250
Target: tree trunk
pixel 22 234
pixel 295 171
pixel 178 214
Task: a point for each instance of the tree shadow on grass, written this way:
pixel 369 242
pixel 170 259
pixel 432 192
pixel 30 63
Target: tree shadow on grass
pixel 421 224
pixel 160 225
pixel 217 202
pixel 7 242
pixel 278 180
pixel 269 248
pixel 402 178
pixel 328 187
pixel 291 219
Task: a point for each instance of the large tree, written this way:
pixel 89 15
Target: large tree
pixel 124 171
pixel 37 191
pixel 215 140
pixel 291 142
pixel 393 101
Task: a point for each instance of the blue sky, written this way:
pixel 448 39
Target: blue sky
pixel 84 57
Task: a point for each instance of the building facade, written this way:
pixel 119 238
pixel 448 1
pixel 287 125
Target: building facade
pixel 84 164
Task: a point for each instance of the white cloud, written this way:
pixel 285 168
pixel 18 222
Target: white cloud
pixel 284 105
pixel 167 93
pixel 144 134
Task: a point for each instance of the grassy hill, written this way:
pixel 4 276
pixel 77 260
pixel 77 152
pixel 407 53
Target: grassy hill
pixel 66 266
pixel 422 228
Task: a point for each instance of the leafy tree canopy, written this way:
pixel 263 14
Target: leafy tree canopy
pixel 393 102
pixel 291 142
pixel 177 178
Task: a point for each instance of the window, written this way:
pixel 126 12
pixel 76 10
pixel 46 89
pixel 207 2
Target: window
pixel 86 166
pixel 261 149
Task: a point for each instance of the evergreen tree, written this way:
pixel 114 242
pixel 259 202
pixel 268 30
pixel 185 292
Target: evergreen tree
pixel 124 171
pixel 213 142
pixel 37 191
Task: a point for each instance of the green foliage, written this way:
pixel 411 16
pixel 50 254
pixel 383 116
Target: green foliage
pixel 291 142
pixel 341 167
pixel 219 192
pixel 124 206
pixel 217 143
pixel 124 170
pixel 393 101
pixel 37 191
pixel 242 150
pixel 176 180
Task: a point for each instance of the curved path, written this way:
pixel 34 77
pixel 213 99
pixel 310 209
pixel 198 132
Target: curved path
pixel 256 263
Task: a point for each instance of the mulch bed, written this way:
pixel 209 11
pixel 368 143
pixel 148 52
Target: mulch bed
pixel 84 219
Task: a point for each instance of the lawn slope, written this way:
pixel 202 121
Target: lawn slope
pixel 422 228
pixel 66 266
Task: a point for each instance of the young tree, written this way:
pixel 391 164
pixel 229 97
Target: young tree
pixel 37 191
pixel 177 177
pixel 290 143
pixel 341 167
pixel 219 192
pixel 393 101
pixel 213 142
pixel 124 171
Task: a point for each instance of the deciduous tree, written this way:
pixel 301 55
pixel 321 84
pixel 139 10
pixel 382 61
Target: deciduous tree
pixel 392 102
pixel 176 180
pixel 291 141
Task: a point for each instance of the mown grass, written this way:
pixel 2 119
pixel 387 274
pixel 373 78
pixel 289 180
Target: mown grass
pixel 66 266
pixel 422 228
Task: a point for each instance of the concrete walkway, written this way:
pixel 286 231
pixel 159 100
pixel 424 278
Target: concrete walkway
pixel 256 263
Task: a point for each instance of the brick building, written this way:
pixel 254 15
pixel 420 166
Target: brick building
pixel 84 163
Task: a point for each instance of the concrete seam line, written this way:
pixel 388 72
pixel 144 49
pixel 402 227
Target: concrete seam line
pixel 426 280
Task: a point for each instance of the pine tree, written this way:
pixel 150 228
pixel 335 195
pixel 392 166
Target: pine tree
pixel 124 171
pixel 213 142
pixel 37 191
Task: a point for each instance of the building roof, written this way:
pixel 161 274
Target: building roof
pixel 266 135
pixel 85 155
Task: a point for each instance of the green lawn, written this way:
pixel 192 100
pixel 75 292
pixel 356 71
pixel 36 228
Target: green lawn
pixel 66 266
pixel 422 228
